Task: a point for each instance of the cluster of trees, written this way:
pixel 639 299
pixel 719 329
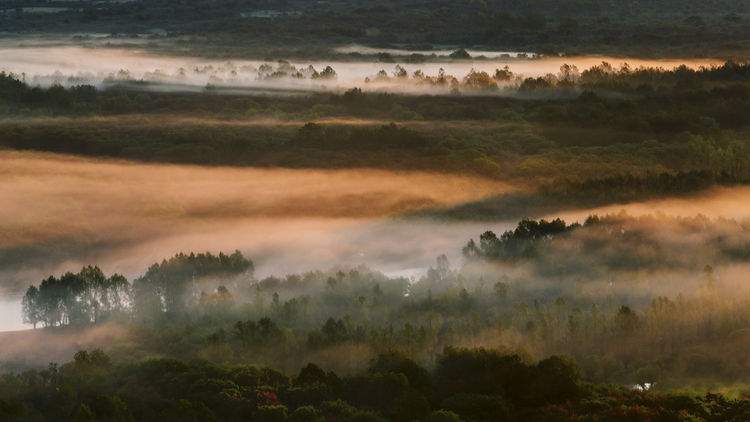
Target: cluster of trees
pixel 638 81
pixel 282 71
pixel 522 242
pixel 625 77
pixel 463 385
pixel 82 298
pixel 171 286
pixel 224 74
pixel 608 244
pixel 474 81
pixel 599 78
pixel 168 287
pixel 14 92
pixel 726 160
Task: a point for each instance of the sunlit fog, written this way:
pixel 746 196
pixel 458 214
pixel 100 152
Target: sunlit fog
pixel 287 220
pixel 69 66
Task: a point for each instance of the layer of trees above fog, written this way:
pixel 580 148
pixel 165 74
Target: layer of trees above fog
pixel 604 77
pixel 89 296
pixel 652 130
pixel 610 243
pixel 82 298
pixel 651 100
pixel 551 250
pixel 630 290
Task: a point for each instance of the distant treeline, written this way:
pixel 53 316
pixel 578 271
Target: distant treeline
pixel 650 99
pixel 663 131
pixel 630 243
pixel 301 29
pixel 729 79
pixel 603 78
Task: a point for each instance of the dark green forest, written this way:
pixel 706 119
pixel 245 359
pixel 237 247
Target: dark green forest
pixel 466 384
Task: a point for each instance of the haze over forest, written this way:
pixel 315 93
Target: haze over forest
pixel 360 210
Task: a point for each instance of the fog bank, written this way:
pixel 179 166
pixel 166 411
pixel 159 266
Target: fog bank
pixel 69 65
pixel 61 212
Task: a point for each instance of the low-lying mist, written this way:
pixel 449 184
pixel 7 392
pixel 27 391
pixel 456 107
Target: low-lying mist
pixel 538 289
pixel 718 202
pixel 69 65
pixel 60 212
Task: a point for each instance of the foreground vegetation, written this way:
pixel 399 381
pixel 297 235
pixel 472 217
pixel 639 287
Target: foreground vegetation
pixel 465 384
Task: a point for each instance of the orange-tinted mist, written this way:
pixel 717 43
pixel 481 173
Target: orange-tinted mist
pixel 59 212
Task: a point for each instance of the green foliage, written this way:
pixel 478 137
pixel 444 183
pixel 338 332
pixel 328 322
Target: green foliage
pixel 318 137
pixel 83 298
pixel 167 390
pixel 276 413
pixel 443 416
pixel 612 242
pixel 477 378
pixel 305 414
pixel 521 242
pixel 91 297
pixel 165 287
pixel 476 407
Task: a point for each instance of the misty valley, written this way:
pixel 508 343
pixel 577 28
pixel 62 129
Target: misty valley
pixel 355 210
